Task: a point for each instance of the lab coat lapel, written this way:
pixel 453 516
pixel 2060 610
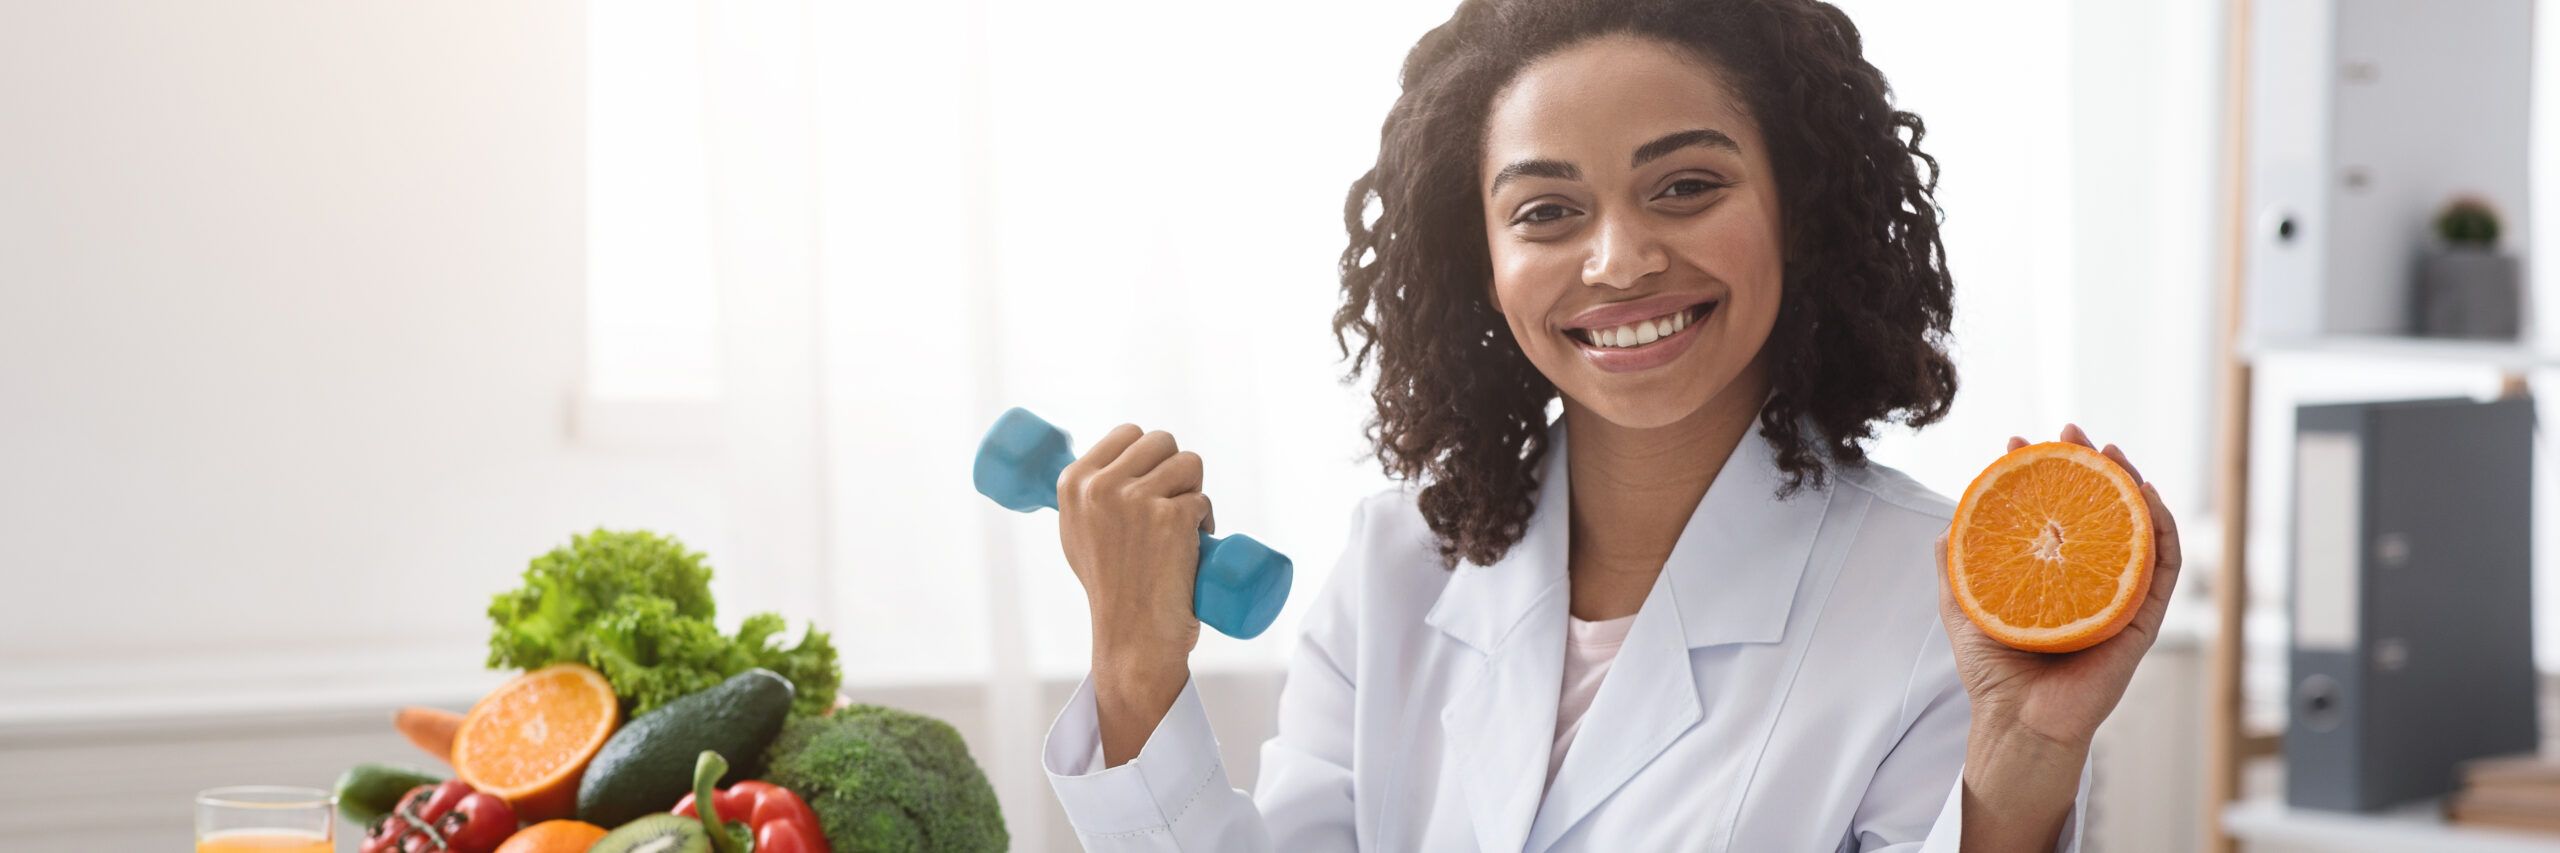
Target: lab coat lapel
pixel 1731 578
pixel 1649 697
pixel 1501 726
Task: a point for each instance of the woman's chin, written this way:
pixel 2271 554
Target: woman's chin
pixel 1666 398
pixel 1641 410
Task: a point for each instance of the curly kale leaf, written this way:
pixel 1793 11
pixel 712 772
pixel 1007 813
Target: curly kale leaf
pixel 651 655
pixel 637 607
pixel 811 665
pixel 547 620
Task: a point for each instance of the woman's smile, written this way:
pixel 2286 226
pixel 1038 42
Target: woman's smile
pixel 1639 335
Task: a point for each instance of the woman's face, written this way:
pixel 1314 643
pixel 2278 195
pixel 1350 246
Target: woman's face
pixel 1633 221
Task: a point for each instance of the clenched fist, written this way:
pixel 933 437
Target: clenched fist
pixel 1130 514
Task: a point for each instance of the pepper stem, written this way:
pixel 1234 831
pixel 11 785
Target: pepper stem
pixel 706 777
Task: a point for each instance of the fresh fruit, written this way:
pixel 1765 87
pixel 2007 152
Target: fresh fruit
pixel 2050 548
pixel 431 729
pixel 553 836
pixel 657 833
pixel 447 817
pixel 645 766
pixel 529 741
pixel 369 791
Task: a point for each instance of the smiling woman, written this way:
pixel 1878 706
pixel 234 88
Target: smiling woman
pixel 1690 604
pixel 1751 179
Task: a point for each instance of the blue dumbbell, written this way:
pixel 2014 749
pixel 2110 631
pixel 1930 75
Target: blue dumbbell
pixel 1241 583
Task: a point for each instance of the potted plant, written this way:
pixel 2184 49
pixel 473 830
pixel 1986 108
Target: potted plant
pixel 2466 287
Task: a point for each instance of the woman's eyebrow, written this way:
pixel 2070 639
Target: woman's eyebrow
pixel 1646 153
pixel 1702 137
pixel 1534 169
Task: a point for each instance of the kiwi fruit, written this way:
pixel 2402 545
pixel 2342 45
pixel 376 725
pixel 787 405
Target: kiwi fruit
pixel 657 833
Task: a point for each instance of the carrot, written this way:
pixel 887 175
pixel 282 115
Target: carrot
pixel 431 729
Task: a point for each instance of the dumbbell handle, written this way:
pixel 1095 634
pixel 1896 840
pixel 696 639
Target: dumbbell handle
pixel 1241 583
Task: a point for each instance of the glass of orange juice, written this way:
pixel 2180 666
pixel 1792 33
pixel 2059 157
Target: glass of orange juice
pixel 265 819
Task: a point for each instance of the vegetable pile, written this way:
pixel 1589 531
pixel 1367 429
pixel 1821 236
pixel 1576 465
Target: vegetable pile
pixel 631 702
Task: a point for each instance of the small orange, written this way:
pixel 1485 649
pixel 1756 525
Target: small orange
pixel 553 836
pixel 2050 548
pixel 528 741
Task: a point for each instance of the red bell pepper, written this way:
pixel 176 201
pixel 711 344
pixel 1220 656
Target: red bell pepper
pixel 779 820
pixel 443 818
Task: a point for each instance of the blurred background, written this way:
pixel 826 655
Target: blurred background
pixel 318 320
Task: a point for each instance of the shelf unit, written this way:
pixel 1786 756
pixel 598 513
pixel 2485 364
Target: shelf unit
pixel 2231 816
pixel 2507 357
pixel 2410 829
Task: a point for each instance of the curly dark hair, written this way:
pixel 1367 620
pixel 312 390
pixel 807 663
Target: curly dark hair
pixel 1866 300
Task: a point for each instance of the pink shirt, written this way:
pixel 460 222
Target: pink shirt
pixel 1589 647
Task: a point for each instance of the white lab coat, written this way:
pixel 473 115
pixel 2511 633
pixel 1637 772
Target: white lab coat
pixel 1786 686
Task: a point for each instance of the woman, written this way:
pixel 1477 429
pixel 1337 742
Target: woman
pixel 1688 614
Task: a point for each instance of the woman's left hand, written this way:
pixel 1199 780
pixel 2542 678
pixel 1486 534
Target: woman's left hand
pixel 2061 698
pixel 2035 714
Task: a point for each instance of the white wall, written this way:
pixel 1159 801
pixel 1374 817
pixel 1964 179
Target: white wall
pixel 290 328
pixel 290 325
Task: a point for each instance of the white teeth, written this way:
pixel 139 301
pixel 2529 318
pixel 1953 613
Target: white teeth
pixel 1641 332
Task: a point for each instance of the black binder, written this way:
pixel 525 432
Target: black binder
pixel 2412 598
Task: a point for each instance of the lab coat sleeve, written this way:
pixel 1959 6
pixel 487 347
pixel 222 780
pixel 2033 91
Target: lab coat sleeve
pixel 1175 795
pixel 1916 802
pixel 1947 835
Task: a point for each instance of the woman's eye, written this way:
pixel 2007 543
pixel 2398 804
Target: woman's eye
pixel 1541 213
pixel 1695 187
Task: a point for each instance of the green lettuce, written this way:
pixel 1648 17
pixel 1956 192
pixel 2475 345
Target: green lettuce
pixel 637 607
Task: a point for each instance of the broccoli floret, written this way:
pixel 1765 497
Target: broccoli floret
pixel 884 780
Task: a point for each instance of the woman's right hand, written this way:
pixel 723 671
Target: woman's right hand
pixel 1130 513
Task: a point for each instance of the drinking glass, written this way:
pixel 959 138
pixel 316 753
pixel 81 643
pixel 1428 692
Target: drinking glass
pixel 265 819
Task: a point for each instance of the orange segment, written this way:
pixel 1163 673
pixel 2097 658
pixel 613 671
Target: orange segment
pixel 2050 549
pixel 528 741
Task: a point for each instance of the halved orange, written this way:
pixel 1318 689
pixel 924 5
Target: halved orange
pixel 528 742
pixel 2050 548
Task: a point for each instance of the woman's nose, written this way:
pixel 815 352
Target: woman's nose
pixel 1623 252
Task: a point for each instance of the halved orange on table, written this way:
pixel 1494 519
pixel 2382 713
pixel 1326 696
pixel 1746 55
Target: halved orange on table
pixel 2050 548
pixel 528 742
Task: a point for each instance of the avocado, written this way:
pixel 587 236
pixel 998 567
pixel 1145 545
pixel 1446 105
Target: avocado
pixel 648 765
pixel 657 833
pixel 368 791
